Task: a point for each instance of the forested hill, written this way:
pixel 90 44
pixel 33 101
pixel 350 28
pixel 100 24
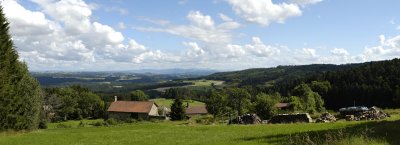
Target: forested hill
pixel 269 76
pixel 366 84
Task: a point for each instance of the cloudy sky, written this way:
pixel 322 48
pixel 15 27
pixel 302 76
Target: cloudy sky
pixel 90 35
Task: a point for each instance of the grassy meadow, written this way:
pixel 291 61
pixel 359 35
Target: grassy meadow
pixel 183 132
pixel 168 102
pixel 205 83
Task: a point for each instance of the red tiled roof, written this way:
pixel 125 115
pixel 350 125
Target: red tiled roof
pixel 131 106
pixel 193 110
pixel 281 105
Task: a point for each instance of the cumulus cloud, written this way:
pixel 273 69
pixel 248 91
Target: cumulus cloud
pixel 387 49
pixel 264 12
pixel 69 36
pixel 339 52
pixel 202 28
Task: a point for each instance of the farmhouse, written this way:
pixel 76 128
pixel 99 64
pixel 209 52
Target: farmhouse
pixel 196 110
pixel 142 110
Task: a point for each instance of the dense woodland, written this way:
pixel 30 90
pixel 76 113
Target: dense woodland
pixel 364 84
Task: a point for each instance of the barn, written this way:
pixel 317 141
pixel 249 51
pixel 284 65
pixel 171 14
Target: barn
pixel 196 110
pixel 141 110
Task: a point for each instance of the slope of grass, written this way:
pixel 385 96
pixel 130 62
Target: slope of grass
pixel 205 82
pixel 168 102
pixel 143 133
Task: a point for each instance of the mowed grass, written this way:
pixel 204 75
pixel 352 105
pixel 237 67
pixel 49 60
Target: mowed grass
pixel 176 133
pixel 168 102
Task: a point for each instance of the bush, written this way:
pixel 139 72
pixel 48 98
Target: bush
pixel 111 121
pixel 131 121
pixel 99 123
pixel 204 120
pixel 43 124
pixel 81 124
pixel 61 125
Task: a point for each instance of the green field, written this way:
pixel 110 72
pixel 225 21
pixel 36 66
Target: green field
pixel 166 133
pixel 168 102
pixel 205 82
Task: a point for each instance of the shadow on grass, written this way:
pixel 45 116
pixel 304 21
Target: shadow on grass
pixel 384 131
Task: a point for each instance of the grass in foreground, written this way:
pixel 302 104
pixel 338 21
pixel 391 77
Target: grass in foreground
pixel 382 132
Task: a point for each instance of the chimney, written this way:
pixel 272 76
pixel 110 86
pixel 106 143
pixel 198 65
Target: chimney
pixel 115 98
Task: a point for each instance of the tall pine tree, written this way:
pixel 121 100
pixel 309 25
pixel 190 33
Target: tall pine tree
pixel 20 94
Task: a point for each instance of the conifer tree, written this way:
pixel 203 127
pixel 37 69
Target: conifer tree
pixel 177 110
pixel 20 93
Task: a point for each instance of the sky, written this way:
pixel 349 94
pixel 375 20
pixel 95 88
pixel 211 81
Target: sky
pixel 112 35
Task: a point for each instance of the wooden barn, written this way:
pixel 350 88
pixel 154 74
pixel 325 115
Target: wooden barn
pixel 141 110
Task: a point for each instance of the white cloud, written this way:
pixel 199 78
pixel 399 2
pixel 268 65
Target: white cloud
pixel 154 21
pixel 387 49
pixel 339 52
pixel 264 11
pixel 69 38
pixel 258 48
pixel 121 25
pixel 201 28
pixel 225 17
pixel 200 20
pixel 309 52
pixel 304 2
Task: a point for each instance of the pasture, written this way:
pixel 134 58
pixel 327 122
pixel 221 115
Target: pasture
pixel 168 102
pixel 182 132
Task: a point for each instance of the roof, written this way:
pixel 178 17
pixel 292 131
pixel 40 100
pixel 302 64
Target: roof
pixel 131 106
pixel 193 110
pixel 282 105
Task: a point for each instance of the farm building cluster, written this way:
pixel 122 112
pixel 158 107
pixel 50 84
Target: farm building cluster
pixel 146 110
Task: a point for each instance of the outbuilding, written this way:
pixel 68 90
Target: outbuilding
pixel 141 110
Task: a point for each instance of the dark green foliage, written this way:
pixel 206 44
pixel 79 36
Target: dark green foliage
pixel 139 95
pixel 73 102
pixel 217 103
pixel 310 100
pixel 264 106
pixel 174 93
pixel 320 87
pixel 295 104
pixel 177 110
pixel 20 94
pixel 239 100
pixel 260 76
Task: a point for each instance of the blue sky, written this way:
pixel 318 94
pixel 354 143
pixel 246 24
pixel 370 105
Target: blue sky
pixel 78 35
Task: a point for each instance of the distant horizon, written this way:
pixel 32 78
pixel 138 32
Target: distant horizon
pixel 86 35
pixel 194 69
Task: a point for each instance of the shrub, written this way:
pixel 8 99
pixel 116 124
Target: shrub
pixel 131 121
pixel 111 121
pixel 99 123
pixel 81 124
pixel 61 125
